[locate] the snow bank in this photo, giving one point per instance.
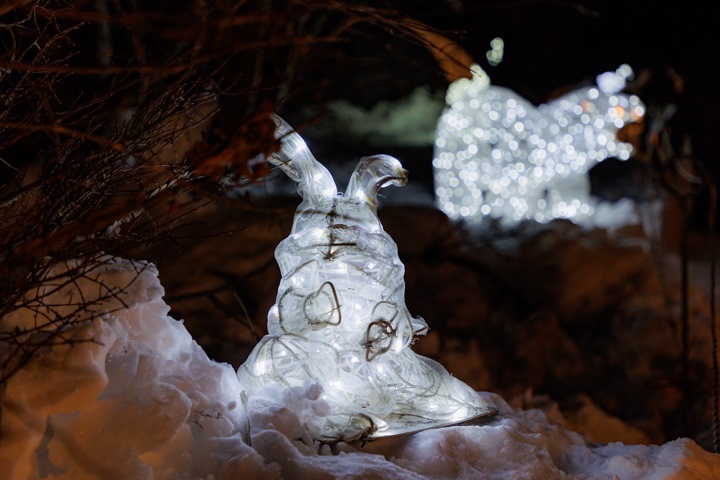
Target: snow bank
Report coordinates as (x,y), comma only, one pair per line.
(129,395)
(132,396)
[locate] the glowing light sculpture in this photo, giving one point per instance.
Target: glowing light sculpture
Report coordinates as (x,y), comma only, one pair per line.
(498,156)
(340,317)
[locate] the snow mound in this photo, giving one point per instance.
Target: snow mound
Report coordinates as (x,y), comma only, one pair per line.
(129,394)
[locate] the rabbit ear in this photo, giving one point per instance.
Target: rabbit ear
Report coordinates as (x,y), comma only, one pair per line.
(373,173)
(294,158)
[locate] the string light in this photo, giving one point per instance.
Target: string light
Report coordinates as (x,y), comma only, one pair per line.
(499,156)
(340,317)
(495,54)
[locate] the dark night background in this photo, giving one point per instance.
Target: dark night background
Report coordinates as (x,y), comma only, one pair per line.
(551,47)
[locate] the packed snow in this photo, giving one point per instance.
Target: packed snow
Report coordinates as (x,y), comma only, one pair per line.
(131,395)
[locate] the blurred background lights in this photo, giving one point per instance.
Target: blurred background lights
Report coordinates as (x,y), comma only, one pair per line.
(533,161)
(497,49)
(614,82)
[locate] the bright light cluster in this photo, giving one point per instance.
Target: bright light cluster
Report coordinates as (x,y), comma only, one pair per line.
(340,317)
(495,54)
(499,156)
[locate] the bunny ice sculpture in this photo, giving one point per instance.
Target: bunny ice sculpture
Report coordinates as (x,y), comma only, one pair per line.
(498,156)
(340,317)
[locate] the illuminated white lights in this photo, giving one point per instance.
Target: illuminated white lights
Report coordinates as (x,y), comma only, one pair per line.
(497,50)
(533,160)
(340,317)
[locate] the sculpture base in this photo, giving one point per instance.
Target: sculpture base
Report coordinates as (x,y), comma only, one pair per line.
(367,428)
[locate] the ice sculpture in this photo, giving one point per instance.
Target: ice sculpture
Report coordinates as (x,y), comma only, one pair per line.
(340,317)
(499,156)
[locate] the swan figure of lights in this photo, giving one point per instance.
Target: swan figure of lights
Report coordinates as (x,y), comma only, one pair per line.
(340,318)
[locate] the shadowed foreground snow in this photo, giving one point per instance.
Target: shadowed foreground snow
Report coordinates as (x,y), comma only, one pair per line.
(135,397)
